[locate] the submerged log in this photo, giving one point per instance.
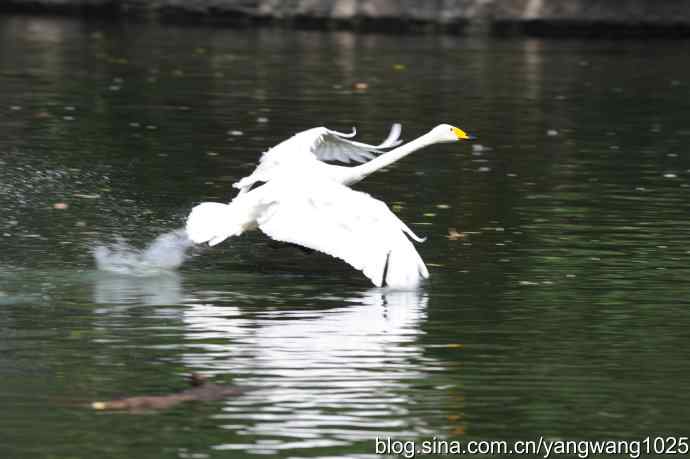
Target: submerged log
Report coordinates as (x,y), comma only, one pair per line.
(201,390)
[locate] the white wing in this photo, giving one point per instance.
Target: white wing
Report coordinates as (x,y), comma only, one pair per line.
(336,146)
(346,224)
(317,143)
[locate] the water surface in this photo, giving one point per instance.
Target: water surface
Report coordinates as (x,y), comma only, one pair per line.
(561,310)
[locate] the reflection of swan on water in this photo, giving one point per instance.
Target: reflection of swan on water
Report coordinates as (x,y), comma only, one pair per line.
(330,374)
(320,376)
(376,320)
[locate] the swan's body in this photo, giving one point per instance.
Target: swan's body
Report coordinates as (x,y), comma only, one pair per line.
(305,201)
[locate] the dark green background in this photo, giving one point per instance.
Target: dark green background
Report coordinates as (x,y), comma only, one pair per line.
(563,312)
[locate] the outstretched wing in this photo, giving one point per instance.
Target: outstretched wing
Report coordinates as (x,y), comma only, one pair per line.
(346,224)
(337,146)
(319,142)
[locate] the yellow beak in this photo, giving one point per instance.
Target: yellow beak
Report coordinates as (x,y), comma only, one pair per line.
(462,135)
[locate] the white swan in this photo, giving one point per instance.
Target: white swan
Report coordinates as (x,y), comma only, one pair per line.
(306,201)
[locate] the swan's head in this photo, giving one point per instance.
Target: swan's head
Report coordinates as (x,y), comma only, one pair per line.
(448,133)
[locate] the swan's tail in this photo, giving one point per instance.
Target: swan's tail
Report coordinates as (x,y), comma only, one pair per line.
(405,268)
(213,222)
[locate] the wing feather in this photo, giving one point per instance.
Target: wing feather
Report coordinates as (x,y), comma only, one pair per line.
(336,146)
(320,143)
(345,224)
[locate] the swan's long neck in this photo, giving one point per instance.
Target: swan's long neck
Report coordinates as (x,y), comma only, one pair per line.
(358,173)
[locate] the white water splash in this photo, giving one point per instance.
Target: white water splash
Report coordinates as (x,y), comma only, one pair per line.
(166,253)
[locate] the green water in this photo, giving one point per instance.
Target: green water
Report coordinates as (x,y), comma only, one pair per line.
(563,311)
